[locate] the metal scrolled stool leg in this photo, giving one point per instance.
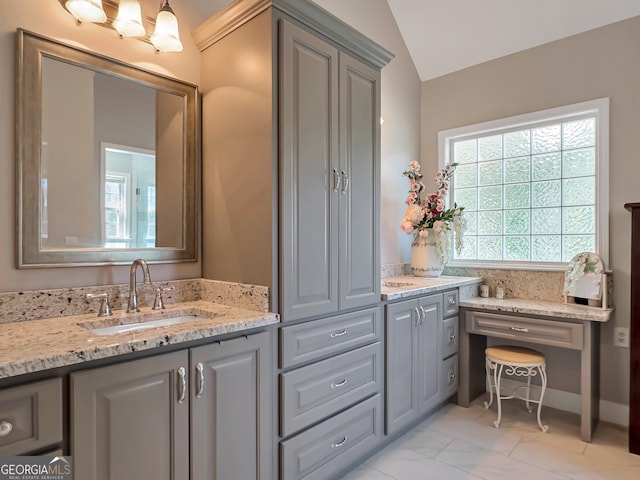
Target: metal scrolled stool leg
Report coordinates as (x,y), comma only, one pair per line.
(518,361)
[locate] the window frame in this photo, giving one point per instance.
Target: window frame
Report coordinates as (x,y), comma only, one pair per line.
(598,108)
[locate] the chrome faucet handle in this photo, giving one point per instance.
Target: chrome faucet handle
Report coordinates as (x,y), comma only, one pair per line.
(158,301)
(104,309)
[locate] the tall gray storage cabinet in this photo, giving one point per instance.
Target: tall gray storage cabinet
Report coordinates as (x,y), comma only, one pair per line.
(202,414)
(291,156)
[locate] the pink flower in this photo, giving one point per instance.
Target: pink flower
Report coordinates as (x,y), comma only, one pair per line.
(411,199)
(415,186)
(423,233)
(406,226)
(415,166)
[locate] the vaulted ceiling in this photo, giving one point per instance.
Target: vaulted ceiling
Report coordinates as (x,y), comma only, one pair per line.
(444,36)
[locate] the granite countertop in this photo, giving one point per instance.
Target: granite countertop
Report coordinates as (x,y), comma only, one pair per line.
(36,345)
(539,307)
(407,286)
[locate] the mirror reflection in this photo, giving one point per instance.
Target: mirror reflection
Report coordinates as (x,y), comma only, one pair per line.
(108,151)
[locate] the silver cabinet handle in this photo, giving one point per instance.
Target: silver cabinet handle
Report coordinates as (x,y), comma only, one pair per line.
(200,370)
(417,316)
(5,428)
(339,384)
(340,443)
(424,315)
(519,329)
(452,301)
(345,182)
(338,334)
(452,338)
(452,376)
(182,374)
(336,180)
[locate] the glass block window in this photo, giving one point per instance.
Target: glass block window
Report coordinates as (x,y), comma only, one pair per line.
(534,187)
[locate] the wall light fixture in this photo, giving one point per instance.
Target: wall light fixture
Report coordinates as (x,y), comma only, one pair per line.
(125,17)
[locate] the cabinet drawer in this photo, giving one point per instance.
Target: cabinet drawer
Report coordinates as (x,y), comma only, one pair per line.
(328,448)
(316,391)
(449,377)
(546,332)
(312,340)
(33,413)
(449,337)
(451,301)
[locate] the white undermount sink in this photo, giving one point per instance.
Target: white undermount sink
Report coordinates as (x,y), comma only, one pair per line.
(136,322)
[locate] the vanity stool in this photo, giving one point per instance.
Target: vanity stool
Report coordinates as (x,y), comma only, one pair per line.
(520,362)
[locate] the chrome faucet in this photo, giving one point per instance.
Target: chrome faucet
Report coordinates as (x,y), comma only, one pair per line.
(132,304)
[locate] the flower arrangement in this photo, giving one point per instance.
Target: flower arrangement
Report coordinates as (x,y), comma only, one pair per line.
(430,212)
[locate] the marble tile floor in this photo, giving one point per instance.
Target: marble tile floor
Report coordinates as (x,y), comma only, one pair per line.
(462,443)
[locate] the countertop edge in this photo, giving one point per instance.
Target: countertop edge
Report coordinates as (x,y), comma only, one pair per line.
(539,307)
(38,345)
(423,286)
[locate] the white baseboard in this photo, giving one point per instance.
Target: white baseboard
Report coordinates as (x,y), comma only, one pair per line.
(570,402)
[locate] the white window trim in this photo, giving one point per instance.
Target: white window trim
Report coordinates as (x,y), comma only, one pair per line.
(600,109)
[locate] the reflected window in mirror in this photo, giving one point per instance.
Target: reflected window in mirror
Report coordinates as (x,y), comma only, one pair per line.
(107,159)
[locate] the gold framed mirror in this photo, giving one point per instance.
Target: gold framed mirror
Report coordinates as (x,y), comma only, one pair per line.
(107,160)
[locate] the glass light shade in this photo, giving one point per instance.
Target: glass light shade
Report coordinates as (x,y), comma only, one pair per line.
(166,37)
(128,23)
(87,10)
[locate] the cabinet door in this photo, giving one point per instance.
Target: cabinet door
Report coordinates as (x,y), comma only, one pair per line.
(360,183)
(231,424)
(309,174)
(401,365)
(128,421)
(430,363)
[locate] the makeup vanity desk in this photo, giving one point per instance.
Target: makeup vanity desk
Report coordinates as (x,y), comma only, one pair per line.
(561,325)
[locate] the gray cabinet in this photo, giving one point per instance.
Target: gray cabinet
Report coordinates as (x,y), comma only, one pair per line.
(330,409)
(231,417)
(330,177)
(30,417)
(413,358)
(421,357)
(138,419)
(303,125)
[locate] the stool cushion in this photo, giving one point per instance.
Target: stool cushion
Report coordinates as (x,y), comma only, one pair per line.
(513,354)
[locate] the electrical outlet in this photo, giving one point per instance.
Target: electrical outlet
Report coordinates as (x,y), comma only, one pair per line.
(621,337)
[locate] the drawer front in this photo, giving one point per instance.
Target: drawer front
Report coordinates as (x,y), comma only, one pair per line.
(451,301)
(332,446)
(449,377)
(30,417)
(546,332)
(312,340)
(311,393)
(449,337)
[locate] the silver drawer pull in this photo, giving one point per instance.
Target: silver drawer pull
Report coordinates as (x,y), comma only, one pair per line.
(338,334)
(336,180)
(417,316)
(182,373)
(340,443)
(200,370)
(452,338)
(452,376)
(5,428)
(519,329)
(452,301)
(339,384)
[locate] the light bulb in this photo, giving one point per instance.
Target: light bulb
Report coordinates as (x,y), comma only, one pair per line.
(87,10)
(166,37)
(128,23)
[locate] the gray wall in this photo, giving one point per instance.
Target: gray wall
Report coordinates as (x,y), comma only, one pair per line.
(600,63)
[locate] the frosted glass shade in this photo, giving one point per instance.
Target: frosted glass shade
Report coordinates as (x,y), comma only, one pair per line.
(87,10)
(128,23)
(166,37)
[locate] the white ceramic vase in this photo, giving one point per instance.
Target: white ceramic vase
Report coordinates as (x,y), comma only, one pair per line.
(426,258)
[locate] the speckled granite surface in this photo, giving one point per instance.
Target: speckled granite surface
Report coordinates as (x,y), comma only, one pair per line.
(39,304)
(55,342)
(395,270)
(407,286)
(539,307)
(523,284)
